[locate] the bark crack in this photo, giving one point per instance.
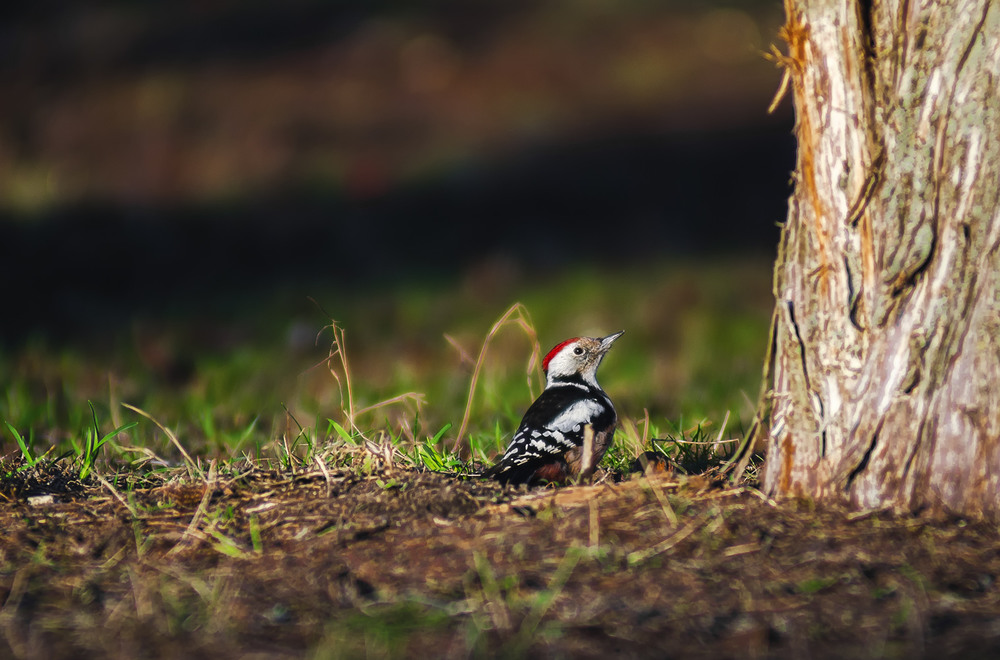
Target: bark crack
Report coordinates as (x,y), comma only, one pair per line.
(860,467)
(853,296)
(802,344)
(972,40)
(901,46)
(913,450)
(866,16)
(805,376)
(867,193)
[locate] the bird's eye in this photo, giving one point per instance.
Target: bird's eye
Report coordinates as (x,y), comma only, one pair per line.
(577,351)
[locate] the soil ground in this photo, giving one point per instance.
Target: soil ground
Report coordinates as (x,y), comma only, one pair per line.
(411,564)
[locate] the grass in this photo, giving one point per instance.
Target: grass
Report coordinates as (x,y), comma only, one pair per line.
(26,454)
(394,378)
(399,386)
(88,451)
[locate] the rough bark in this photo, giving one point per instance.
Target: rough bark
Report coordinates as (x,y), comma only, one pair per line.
(884,371)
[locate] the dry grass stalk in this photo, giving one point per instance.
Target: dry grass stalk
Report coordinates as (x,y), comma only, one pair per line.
(416,398)
(673,539)
(383,451)
(199,513)
(321,464)
(118,496)
(337,351)
(173,438)
(668,510)
(518,315)
(342,376)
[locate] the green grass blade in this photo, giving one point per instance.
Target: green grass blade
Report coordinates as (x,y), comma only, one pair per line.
(25,450)
(90,449)
(120,429)
(437,436)
(342,432)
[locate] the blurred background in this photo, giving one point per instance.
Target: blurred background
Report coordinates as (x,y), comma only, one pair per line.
(178,179)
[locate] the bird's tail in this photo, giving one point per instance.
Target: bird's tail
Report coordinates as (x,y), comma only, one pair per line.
(492,472)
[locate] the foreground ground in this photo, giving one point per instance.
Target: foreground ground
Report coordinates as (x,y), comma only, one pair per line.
(410,564)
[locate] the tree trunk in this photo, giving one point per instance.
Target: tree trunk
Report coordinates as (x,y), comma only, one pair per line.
(884,369)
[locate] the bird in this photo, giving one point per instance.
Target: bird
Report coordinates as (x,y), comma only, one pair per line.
(548,446)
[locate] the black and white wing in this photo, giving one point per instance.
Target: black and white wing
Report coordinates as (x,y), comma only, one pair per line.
(553,425)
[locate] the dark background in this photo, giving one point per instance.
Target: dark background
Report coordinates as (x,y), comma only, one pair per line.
(156,155)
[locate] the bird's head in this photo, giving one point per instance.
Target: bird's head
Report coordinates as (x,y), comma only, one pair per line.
(578,357)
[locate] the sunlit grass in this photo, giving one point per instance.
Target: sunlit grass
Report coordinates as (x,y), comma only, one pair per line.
(432,375)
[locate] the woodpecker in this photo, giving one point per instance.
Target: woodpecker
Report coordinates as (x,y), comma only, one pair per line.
(548,445)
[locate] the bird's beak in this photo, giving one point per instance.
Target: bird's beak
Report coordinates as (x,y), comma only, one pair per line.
(610,339)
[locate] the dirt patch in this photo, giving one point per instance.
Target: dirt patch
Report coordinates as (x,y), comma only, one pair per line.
(264,564)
